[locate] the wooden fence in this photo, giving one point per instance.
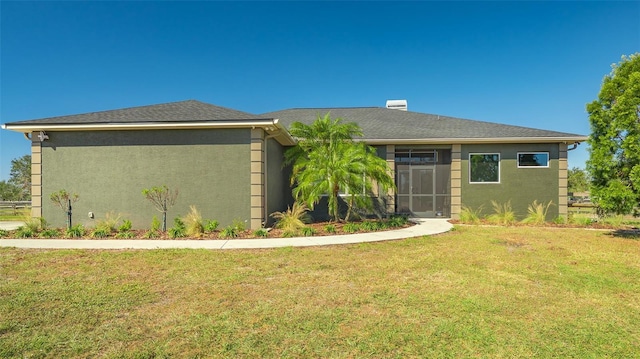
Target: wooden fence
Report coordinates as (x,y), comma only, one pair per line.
(14,206)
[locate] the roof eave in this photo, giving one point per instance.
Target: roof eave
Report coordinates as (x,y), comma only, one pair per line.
(271,126)
(410,141)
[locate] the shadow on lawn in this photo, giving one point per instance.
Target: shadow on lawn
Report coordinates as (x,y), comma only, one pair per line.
(630,233)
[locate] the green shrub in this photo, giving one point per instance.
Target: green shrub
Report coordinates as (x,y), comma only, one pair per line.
(502,214)
(4,233)
(126,226)
(155,224)
(101,232)
(537,213)
(398,221)
(193,222)
(50,233)
(330,228)
(308,231)
(76,231)
(109,223)
(125,235)
(239,225)
(351,227)
(293,219)
(211,226)
(229,232)
(369,225)
(261,233)
(560,220)
(469,215)
(151,234)
(178,230)
(25,232)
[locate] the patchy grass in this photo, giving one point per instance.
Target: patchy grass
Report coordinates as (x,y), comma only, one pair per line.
(473,292)
(9,214)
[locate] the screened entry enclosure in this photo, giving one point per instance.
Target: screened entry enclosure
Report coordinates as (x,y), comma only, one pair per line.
(423,181)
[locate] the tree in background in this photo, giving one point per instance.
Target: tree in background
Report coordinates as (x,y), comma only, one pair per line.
(18,187)
(578,180)
(614,163)
(326,161)
(9,191)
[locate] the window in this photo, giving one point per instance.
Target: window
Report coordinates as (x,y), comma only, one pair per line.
(533,159)
(484,168)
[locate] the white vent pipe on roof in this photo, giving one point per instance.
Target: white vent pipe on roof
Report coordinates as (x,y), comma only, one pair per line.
(397,104)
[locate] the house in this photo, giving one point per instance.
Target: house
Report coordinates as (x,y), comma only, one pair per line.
(229,163)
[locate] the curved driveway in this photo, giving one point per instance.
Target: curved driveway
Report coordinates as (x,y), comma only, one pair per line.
(423,228)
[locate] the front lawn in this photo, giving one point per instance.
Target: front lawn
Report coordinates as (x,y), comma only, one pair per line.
(473,292)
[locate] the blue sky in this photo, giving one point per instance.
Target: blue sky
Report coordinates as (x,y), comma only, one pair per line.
(532,64)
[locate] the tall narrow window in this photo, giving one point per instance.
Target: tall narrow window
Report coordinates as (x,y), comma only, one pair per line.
(484,167)
(533,159)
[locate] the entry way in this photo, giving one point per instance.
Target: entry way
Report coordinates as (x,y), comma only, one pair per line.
(422,179)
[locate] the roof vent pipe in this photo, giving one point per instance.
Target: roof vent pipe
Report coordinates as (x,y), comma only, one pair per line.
(397,104)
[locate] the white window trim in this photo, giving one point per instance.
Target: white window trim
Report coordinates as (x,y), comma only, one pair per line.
(499,166)
(532,153)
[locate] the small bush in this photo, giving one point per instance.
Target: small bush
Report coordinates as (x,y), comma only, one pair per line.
(229,232)
(369,225)
(193,222)
(330,228)
(125,235)
(76,231)
(109,223)
(25,232)
(351,227)
(308,231)
(293,219)
(502,214)
(101,232)
(155,224)
(4,233)
(151,234)
(537,213)
(126,226)
(560,220)
(263,233)
(211,226)
(178,230)
(398,221)
(239,225)
(469,215)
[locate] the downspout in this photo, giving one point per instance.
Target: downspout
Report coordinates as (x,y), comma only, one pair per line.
(575,145)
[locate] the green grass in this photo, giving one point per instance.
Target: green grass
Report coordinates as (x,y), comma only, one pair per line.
(8,214)
(474,292)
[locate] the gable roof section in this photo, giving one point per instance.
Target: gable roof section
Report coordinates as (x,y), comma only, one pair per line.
(174,115)
(183,111)
(389,126)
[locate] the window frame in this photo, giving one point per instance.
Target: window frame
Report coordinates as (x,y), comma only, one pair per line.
(532,153)
(499,167)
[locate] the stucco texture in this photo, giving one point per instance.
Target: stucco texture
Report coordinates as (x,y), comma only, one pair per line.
(109,170)
(520,186)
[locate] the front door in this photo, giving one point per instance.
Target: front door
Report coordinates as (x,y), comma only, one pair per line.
(416,190)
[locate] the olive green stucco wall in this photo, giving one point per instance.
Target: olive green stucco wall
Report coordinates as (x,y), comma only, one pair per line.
(278,190)
(109,169)
(521,186)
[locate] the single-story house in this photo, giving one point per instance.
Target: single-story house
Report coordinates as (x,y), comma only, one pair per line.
(229,163)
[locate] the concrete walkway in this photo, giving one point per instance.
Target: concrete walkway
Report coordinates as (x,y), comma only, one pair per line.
(423,228)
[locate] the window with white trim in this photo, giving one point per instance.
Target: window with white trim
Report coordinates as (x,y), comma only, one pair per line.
(533,159)
(484,168)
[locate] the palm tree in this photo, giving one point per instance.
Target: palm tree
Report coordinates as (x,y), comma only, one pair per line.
(327,161)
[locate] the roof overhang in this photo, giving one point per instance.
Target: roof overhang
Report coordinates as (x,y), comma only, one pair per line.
(271,126)
(440,141)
